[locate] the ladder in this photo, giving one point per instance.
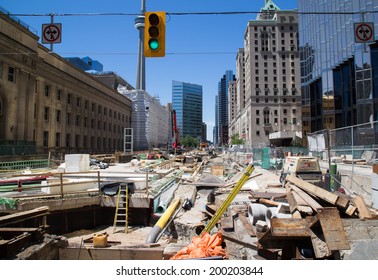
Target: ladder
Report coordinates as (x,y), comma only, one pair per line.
(218,214)
(121,212)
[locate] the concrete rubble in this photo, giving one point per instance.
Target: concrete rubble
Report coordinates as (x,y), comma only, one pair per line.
(264,221)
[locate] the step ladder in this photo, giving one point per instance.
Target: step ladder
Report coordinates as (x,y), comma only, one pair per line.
(121,212)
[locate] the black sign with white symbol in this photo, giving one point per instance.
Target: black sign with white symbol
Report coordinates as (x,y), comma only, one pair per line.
(363,32)
(51,33)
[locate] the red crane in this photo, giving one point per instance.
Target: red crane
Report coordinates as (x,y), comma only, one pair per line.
(175,131)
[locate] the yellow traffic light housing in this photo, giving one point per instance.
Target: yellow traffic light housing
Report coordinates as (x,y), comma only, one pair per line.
(154,34)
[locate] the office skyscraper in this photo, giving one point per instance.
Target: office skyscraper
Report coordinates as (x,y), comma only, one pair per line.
(187,102)
(222,109)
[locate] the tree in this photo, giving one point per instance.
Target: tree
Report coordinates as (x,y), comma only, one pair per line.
(236,140)
(189,141)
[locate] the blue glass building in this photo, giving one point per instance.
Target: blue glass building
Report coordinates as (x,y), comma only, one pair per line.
(339,77)
(187,102)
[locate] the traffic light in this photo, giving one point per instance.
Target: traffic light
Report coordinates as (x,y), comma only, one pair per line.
(154,34)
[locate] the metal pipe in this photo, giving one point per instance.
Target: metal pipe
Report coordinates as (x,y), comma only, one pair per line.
(151,238)
(165,199)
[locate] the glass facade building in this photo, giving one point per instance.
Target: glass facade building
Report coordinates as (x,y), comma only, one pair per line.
(223,106)
(339,77)
(187,102)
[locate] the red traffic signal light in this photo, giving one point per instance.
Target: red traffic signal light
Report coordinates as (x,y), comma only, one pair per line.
(154,34)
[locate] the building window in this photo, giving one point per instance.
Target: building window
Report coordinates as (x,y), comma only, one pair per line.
(78,101)
(57,140)
(257,121)
(47,90)
(45,142)
(257,132)
(266,113)
(59,95)
(68,141)
(69,98)
(1,107)
(11,74)
(68,118)
(77,141)
(78,120)
(58,115)
(257,112)
(46,113)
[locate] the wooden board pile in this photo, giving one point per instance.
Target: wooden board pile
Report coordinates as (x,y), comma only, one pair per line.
(315,230)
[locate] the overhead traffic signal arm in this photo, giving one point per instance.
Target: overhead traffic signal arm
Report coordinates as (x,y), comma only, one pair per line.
(154,34)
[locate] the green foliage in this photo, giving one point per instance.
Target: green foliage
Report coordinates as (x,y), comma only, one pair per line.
(189,141)
(236,140)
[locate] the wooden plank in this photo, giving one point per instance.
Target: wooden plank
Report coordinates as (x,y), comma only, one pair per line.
(333,229)
(24,215)
(309,200)
(363,211)
(293,205)
(268,202)
(302,207)
(112,253)
(312,189)
(351,210)
(342,201)
(16,229)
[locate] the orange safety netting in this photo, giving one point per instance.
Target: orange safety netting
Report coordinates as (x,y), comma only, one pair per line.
(202,246)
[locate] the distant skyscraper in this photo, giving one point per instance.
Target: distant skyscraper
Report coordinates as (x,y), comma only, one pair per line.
(85,63)
(222,109)
(339,78)
(187,102)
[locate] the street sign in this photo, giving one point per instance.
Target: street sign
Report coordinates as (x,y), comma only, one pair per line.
(364,32)
(51,33)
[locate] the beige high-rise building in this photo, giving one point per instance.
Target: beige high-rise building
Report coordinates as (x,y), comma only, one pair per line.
(48,105)
(269,91)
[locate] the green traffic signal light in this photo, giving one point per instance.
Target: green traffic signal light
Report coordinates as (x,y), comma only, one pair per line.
(154,44)
(154,34)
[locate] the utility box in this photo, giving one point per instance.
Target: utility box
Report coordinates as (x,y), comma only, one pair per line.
(76,163)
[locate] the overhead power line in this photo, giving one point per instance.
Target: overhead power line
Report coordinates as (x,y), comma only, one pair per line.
(189,13)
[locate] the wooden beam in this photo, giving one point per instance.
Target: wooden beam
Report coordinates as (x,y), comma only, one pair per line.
(21,216)
(293,205)
(309,200)
(363,211)
(312,189)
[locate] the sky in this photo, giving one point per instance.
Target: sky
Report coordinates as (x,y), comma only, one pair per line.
(199,48)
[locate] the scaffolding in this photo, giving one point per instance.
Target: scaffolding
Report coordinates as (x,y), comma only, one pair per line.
(150,121)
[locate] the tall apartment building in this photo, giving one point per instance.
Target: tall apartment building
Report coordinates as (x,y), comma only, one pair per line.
(187,102)
(339,77)
(48,105)
(222,109)
(268,92)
